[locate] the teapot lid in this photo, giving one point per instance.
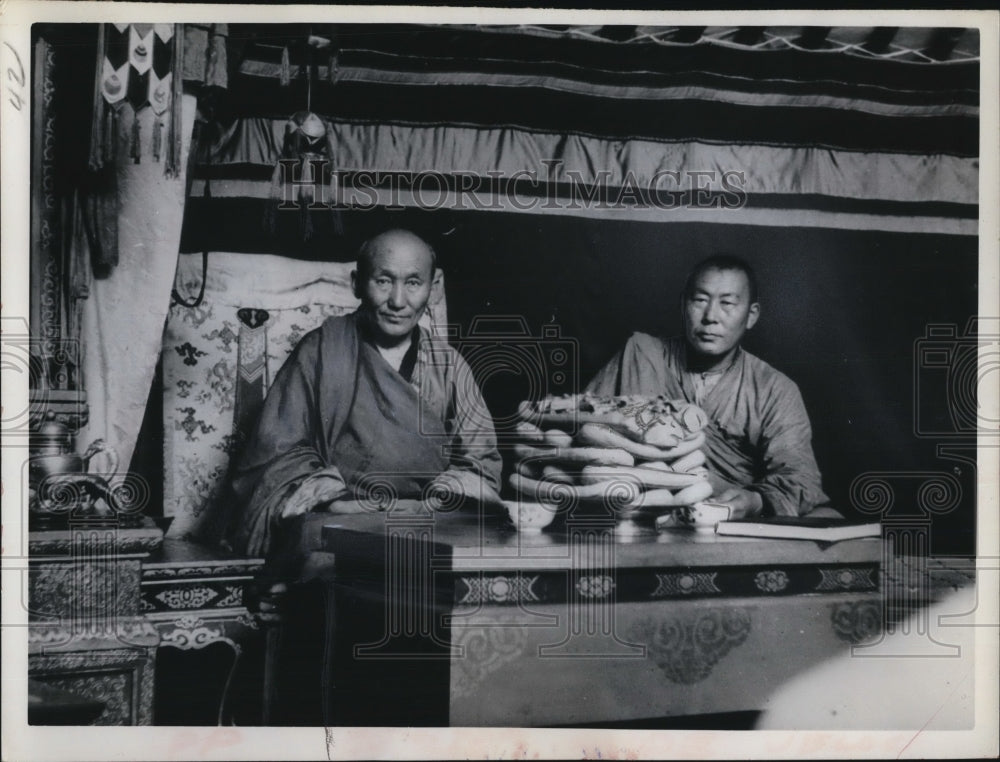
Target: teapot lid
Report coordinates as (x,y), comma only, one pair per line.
(53,430)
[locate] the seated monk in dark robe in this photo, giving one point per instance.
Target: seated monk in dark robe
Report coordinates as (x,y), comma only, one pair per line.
(759,440)
(367,398)
(368,401)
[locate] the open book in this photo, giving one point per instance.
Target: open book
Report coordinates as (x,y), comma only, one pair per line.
(801,528)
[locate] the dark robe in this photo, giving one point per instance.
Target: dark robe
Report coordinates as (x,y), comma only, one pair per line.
(759,436)
(339,411)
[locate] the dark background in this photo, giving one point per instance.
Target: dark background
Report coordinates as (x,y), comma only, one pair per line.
(842,313)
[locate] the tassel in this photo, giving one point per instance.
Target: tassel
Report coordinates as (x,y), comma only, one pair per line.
(97,136)
(338,222)
(157,139)
(171,165)
(135,149)
(307,226)
(96,159)
(308,177)
(306,197)
(331,69)
(286,68)
(271,211)
(110,134)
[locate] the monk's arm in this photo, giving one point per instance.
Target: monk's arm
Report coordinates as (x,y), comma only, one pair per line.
(474,442)
(282,471)
(790,484)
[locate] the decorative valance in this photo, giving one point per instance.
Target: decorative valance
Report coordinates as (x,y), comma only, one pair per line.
(848,128)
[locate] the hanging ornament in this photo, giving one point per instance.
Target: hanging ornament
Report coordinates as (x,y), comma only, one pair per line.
(307,144)
(114,82)
(331,68)
(286,68)
(136,65)
(140,54)
(306,154)
(160,91)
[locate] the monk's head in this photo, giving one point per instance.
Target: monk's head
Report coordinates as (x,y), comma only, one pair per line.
(395,273)
(719,307)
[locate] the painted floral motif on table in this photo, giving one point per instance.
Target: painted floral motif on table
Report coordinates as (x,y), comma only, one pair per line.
(687,647)
(484,649)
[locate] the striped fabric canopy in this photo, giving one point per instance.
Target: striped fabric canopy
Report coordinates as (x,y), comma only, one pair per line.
(867,129)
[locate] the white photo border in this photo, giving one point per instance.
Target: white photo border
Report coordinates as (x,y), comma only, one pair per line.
(21,741)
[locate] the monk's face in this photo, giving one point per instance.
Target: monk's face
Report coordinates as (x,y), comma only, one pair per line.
(717,312)
(397,289)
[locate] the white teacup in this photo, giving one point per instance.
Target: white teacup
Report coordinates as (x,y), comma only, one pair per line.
(530,517)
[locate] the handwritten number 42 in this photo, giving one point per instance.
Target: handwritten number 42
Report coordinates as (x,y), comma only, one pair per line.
(17,77)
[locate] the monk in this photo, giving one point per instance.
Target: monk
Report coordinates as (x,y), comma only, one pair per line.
(759,441)
(367,399)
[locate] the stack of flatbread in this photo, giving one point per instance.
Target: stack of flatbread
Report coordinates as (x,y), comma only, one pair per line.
(637,452)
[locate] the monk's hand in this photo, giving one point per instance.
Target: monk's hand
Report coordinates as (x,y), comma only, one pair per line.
(317,489)
(454,486)
(266,599)
(743,503)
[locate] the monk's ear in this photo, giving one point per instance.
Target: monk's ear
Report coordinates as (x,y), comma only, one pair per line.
(437,286)
(354,284)
(753,315)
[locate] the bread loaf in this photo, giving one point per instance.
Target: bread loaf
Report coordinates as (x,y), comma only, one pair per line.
(648,478)
(601,456)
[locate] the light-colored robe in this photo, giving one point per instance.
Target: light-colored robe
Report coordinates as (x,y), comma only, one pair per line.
(758,436)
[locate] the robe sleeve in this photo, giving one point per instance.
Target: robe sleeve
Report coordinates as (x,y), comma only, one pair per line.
(283,451)
(474,441)
(790,483)
(642,366)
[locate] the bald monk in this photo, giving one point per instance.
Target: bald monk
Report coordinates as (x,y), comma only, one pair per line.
(369,393)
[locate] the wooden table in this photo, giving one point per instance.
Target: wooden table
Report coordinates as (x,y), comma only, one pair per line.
(194,596)
(456,620)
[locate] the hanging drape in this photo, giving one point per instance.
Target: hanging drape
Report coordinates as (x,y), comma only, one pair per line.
(141,130)
(123,318)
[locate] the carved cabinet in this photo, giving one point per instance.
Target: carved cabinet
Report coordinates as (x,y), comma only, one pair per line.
(87,634)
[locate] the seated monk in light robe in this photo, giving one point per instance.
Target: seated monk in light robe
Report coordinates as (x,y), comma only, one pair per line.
(759,440)
(367,398)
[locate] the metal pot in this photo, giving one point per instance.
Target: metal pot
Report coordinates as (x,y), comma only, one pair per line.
(54,452)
